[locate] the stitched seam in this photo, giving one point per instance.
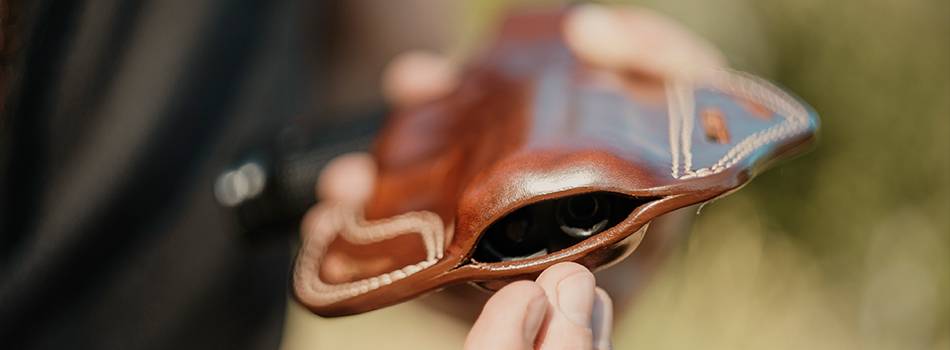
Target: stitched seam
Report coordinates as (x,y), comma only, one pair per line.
(336,220)
(750,87)
(688,103)
(674,119)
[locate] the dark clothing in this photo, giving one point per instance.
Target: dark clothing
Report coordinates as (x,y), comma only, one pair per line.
(121,114)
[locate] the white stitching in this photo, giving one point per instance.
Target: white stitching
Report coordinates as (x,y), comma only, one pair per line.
(688,102)
(335,219)
(674,119)
(756,89)
(681,105)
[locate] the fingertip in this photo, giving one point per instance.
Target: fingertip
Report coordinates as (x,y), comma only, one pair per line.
(536,305)
(604,299)
(575,298)
(638,39)
(570,290)
(415,77)
(515,294)
(518,292)
(554,274)
(348,178)
(602,319)
(591,31)
(510,319)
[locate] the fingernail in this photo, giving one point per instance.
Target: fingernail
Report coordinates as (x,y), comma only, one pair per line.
(533,318)
(575,298)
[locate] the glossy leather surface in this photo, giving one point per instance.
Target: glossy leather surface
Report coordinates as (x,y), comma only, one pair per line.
(530,123)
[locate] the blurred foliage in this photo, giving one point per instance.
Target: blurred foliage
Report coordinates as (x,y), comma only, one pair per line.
(848,246)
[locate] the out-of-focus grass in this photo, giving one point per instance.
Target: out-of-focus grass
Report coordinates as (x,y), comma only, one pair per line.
(741,282)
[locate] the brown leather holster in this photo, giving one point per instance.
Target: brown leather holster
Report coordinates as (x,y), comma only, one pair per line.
(537,158)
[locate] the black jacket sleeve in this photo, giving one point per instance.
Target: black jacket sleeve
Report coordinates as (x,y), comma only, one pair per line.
(119,115)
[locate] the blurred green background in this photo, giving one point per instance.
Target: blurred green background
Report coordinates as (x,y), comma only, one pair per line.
(849,245)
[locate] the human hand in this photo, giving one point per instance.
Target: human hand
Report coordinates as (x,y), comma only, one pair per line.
(623,39)
(562,309)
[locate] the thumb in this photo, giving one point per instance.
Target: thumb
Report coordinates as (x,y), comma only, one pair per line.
(638,40)
(511,318)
